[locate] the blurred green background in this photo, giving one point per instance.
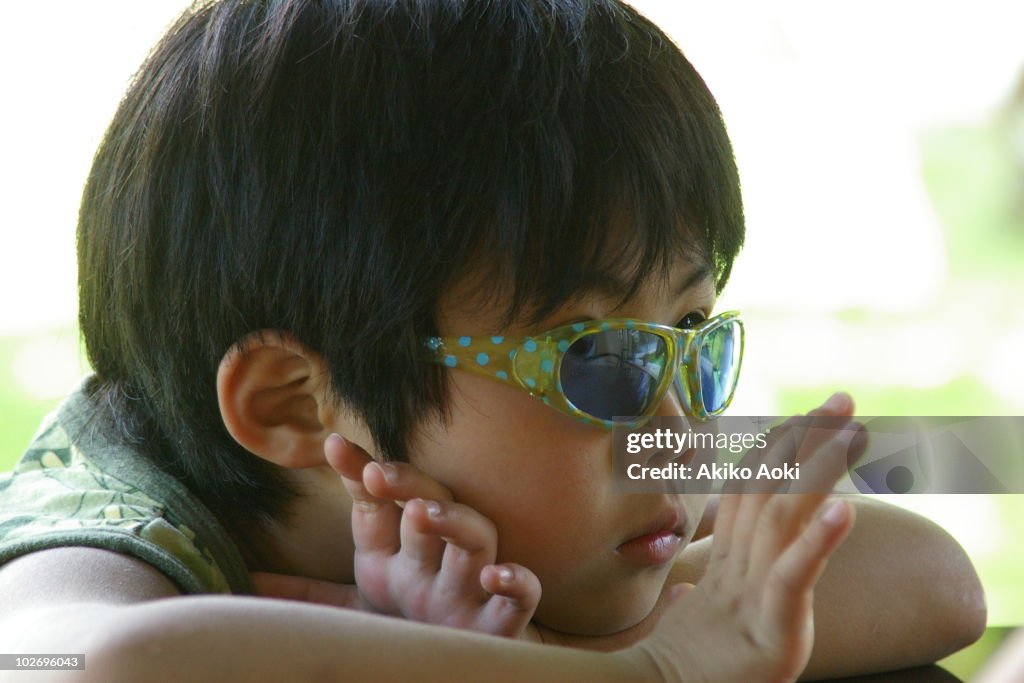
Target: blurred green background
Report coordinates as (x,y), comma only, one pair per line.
(884,185)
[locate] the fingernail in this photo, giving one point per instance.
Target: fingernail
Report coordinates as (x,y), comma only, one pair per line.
(433,508)
(389,470)
(835,514)
(837,402)
(677,591)
(505,574)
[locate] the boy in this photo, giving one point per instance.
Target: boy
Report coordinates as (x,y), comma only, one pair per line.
(292,201)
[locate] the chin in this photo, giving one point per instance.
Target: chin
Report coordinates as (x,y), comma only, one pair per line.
(612,612)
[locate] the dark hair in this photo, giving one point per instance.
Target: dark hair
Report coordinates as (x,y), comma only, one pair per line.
(331,168)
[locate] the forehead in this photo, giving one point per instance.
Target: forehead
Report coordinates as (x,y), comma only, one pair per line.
(477,304)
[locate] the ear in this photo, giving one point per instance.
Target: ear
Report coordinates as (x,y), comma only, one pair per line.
(271,392)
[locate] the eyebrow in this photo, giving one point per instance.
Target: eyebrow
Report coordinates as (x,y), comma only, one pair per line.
(610,285)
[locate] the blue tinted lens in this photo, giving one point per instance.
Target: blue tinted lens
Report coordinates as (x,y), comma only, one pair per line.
(719,358)
(614,373)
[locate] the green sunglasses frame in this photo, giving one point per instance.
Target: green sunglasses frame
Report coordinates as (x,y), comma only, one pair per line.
(532,364)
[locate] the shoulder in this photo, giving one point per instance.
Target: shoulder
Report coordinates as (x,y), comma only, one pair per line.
(79,574)
(66,492)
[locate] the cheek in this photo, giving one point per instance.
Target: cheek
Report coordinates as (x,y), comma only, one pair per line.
(540,476)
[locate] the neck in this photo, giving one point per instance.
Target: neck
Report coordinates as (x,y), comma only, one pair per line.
(314,539)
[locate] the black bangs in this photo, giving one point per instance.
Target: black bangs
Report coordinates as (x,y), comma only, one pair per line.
(332,168)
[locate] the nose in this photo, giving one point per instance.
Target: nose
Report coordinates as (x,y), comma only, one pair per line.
(671,403)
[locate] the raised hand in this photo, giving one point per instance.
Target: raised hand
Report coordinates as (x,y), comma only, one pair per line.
(750,616)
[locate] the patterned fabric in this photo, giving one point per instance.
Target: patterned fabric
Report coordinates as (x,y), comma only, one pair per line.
(74,486)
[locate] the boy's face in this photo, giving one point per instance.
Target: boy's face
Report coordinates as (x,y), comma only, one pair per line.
(545,480)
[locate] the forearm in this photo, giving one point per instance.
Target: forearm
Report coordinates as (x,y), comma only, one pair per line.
(56,630)
(899,592)
(251,639)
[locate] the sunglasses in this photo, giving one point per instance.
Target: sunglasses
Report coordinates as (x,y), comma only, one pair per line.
(612,372)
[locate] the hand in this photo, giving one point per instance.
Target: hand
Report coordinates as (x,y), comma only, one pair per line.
(426,558)
(750,616)
(434,560)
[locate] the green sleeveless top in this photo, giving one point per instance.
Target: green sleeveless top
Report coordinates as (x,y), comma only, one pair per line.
(76,486)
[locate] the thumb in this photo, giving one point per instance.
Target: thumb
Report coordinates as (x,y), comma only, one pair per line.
(304,589)
(677,591)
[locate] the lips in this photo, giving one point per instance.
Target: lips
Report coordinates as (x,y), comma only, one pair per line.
(671,520)
(658,542)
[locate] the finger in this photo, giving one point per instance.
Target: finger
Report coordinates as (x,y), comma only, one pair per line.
(346,458)
(809,432)
(792,434)
(516,594)
(450,539)
(748,510)
(795,444)
(785,517)
(375,521)
(472,544)
(783,446)
(512,581)
(301,588)
(732,496)
(739,509)
(832,460)
(707,519)
(790,584)
(721,537)
(422,545)
(779,442)
(403,481)
(803,434)
(677,592)
(834,414)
